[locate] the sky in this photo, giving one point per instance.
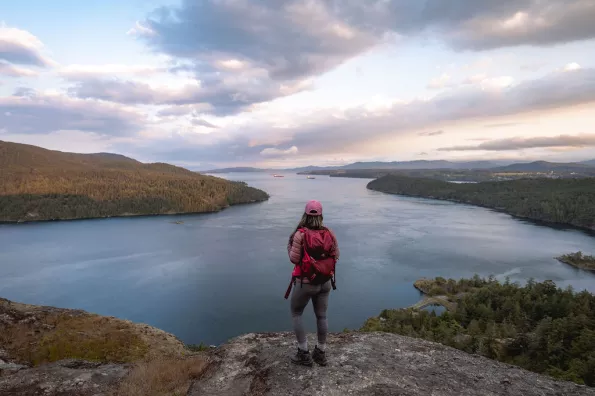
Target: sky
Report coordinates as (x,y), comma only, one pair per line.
(284,83)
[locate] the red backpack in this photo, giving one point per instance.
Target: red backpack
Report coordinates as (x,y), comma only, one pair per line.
(318,258)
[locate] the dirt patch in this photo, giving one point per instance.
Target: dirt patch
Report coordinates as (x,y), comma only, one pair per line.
(162,376)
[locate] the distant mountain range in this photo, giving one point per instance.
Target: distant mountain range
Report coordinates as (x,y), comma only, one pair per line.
(544,166)
(504,166)
(440,164)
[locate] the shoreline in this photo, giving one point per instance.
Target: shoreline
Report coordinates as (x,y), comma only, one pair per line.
(572,264)
(128,215)
(551,224)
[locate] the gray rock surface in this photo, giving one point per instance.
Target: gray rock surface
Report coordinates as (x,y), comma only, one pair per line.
(63,378)
(367,364)
(10,367)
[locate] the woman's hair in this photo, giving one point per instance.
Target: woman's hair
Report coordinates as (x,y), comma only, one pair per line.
(310,222)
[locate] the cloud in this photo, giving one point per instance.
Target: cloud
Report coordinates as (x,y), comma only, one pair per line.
(475,79)
(336,134)
(223,97)
(503,125)
(140,30)
(24,92)
(487,24)
(230,64)
(14,71)
(432,133)
(32,113)
(444,81)
(524,22)
(121,91)
(79,72)
(289,39)
(246,51)
(496,83)
(275,152)
(518,143)
(21,47)
(292,38)
(351,130)
(201,122)
(532,67)
(183,110)
(221,147)
(572,67)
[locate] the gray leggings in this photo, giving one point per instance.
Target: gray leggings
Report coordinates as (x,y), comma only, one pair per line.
(299,300)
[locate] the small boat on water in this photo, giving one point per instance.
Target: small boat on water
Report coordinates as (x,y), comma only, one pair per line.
(276,175)
(310,177)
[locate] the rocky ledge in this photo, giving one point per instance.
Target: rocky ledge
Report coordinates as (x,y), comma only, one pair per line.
(367,364)
(52,351)
(67,377)
(58,352)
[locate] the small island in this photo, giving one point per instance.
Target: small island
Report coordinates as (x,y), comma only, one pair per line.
(578,260)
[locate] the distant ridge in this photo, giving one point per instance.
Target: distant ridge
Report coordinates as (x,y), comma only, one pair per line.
(544,166)
(423,164)
(17,156)
(495,165)
(420,164)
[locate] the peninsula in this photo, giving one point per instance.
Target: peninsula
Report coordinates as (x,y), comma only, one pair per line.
(561,201)
(512,323)
(39,184)
(578,260)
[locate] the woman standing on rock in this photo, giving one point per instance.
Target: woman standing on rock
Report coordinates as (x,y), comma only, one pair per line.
(314,251)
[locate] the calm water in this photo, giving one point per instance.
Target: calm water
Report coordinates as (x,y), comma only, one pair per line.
(219,275)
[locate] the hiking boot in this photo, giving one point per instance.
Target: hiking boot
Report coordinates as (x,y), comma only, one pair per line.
(302,358)
(319,356)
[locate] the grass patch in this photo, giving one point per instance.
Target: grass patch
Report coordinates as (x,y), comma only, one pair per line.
(90,338)
(162,376)
(198,347)
(64,336)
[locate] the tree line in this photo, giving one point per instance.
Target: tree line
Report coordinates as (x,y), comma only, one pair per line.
(537,326)
(564,201)
(579,260)
(38,184)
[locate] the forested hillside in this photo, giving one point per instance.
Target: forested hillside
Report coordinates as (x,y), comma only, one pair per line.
(39,184)
(565,201)
(537,326)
